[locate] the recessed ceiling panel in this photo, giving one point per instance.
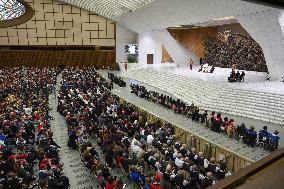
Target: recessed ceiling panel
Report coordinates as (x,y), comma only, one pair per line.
(112,9)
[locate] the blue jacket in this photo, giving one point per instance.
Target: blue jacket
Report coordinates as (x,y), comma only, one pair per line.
(137,177)
(3,137)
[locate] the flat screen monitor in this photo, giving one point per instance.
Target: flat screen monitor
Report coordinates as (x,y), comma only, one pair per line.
(131,49)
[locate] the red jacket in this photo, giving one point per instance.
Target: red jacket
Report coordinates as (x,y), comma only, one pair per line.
(110,185)
(155,186)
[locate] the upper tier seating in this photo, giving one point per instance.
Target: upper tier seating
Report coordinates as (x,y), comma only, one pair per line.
(267,107)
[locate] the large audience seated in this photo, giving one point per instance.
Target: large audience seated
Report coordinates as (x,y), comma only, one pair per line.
(243,51)
(213,120)
(28,154)
(147,153)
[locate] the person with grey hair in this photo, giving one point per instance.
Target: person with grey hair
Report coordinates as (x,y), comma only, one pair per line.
(212,166)
(179,178)
(179,160)
(168,176)
(192,155)
(153,160)
(150,138)
(202,161)
(208,180)
(141,153)
(135,148)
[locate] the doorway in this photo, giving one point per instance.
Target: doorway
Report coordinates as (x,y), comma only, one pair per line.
(150,58)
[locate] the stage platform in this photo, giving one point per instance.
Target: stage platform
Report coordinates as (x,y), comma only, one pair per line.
(251,107)
(254,81)
(195,128)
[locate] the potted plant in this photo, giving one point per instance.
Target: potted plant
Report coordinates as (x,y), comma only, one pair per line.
(131,59)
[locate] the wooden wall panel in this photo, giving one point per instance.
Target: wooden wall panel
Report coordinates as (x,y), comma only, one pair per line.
(56,58)
(57,23)
(192,38)
(166,58)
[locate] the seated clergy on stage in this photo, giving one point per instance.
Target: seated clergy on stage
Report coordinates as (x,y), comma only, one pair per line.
(232,77)
(238,76)
(212,69)
(243,76)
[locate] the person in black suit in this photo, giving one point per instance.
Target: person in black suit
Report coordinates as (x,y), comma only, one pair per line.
(208,180)
(243,76)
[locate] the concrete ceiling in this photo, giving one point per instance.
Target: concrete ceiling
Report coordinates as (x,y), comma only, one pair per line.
(162,14)
(112,9)
(274,3)
(148,15)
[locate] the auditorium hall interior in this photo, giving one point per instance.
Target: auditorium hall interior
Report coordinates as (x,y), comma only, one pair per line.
(141,94)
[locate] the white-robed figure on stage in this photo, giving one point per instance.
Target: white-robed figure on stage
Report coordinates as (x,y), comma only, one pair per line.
(205,67)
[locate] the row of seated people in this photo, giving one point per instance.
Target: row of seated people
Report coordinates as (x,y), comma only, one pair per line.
(116,67)
(117,80)
(215,122)
(240,132)
(176,105)
(149,154)
(26,143)
(236,77)
(268,140)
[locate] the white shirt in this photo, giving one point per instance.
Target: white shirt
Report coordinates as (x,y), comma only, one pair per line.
(206,162)
(179,162)
(133,143)
(27,111)
(135,149)
(150,139)
(228,174)
(80,96)
(175,153)
(142,132)
(108,110)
